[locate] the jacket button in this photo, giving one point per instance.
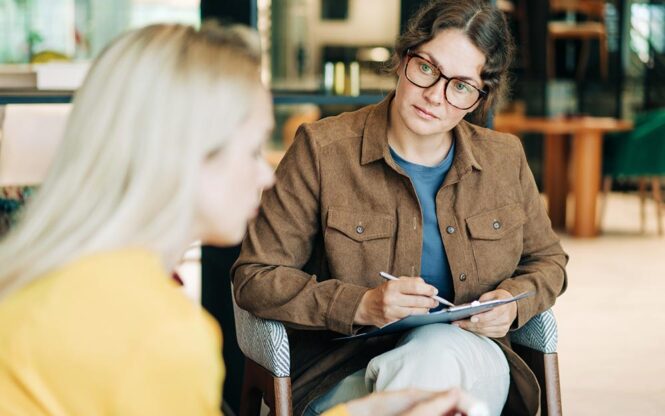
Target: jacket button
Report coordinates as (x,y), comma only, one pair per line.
(360,229)
(496,225)
(450,229)
(462,277)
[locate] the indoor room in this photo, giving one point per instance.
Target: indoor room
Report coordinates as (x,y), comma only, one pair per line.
(544,121)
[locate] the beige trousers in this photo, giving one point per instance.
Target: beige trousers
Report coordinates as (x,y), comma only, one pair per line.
(431,357)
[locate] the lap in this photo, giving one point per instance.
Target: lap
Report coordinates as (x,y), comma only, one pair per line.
(430,357)
(437,356)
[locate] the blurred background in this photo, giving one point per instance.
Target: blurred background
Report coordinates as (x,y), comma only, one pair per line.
(587,99)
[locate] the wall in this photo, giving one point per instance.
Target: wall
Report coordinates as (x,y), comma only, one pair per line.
(298,22)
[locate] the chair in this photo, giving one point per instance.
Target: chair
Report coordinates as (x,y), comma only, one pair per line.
(536,344)
(638,155)
(267,364)
(585,31)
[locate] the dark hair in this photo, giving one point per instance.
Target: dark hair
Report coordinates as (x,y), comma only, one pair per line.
(486,27)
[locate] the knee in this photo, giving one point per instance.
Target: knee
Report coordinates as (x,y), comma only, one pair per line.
(414,373)
(433,334)
(429,366)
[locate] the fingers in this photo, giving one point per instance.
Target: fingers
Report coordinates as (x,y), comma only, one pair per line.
(386,303)
(474,323)
(415,286)
(497,316)
(417,403)
(471,406)
(418,311)
(398,312)
(486,317)
(441,403)
(488,296)
(391,403)
(494,323)
(412,301)
(410,292)
(492,331)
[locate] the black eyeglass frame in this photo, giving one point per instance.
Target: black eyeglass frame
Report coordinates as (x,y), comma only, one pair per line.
(410,54)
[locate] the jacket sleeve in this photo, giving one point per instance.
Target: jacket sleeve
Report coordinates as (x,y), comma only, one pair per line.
(268,277)
(542,266)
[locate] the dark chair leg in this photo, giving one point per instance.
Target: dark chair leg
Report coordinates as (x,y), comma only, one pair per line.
(642,187)
(546,369)
(552,385)
(279,398)
(655,188)
(260,384)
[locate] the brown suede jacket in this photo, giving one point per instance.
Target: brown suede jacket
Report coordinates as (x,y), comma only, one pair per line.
(342,210)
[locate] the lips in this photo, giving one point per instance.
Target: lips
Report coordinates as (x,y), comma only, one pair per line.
(424,113)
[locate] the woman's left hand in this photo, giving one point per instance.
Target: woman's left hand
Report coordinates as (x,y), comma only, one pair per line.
(494,323)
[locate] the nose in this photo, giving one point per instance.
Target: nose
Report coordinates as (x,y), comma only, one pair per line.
(436,93)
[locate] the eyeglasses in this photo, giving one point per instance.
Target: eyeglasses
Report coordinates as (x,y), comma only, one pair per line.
(424,74)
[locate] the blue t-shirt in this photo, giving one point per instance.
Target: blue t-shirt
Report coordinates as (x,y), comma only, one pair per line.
(427,180)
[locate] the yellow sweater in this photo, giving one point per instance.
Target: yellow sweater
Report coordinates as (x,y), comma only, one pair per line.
(109,334)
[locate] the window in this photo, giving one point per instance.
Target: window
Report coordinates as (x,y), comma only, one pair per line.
(83,28)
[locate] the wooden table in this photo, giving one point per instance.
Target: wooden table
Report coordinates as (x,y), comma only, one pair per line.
(585,162)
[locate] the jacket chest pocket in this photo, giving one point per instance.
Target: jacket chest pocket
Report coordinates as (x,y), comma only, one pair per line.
(358,244)
(497,241)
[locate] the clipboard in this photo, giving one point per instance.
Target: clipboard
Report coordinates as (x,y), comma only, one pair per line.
(454,313)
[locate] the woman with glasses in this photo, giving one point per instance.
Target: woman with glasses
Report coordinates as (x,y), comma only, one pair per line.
(408,187)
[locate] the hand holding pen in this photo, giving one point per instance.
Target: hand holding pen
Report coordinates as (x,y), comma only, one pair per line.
(395,299)
(437,298)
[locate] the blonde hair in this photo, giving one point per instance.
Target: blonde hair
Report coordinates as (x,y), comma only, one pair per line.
(155,104)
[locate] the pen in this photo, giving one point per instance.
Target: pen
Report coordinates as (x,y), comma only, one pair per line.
(438,298)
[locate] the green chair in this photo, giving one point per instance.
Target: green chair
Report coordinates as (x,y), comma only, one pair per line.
(639,156)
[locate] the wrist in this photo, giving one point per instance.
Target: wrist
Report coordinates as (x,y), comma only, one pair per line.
(361,317)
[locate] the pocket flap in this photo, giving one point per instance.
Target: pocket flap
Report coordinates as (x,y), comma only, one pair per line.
(494,224)
(360,226)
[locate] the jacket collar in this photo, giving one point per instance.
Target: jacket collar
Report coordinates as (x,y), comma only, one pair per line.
(375,134)
(464,134)
(375,140)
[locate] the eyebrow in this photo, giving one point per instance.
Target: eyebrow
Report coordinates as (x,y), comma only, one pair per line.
(438,66)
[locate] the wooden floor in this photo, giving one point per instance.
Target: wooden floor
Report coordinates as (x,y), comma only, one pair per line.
(612,318)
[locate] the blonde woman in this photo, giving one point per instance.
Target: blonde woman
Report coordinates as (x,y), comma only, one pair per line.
(163,147)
